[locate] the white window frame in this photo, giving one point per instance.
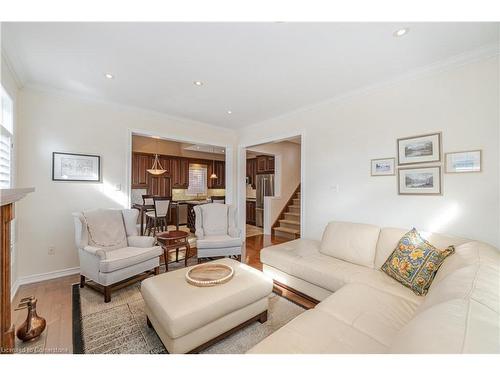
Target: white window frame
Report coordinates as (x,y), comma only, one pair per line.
(6,135)
(199,173)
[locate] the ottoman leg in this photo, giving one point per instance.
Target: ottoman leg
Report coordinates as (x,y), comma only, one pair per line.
(263,317)
(148,322)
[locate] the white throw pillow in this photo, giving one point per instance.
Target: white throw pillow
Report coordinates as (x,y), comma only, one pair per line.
(355,243)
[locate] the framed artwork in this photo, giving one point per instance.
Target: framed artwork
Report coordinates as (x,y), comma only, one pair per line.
(419,181)
(419,149)
(75,167)
(463,161)
(383,167)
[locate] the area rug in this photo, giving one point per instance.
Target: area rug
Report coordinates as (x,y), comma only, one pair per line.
(119,327)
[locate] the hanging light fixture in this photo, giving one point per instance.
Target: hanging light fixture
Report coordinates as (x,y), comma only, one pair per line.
(213,176)
(157,168)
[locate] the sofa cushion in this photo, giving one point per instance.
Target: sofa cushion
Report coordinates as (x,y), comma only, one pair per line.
(461,312)
(355,243)
(454,326)
(317,332)
(389,238)
(126,257)
(327,272)
(285,255)
(214,219)
(414,262)
(472,272)
(376,313)
(218,242)
(301,258)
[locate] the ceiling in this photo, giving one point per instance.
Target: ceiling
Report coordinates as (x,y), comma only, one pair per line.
(254,70)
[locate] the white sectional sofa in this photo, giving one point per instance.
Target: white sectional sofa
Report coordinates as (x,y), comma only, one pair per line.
(362,310)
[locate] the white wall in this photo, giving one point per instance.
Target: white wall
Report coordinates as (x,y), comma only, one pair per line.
(10,85)
(340,138)
(286,180)
(50,121)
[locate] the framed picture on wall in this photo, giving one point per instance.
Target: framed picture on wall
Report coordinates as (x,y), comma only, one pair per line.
(463,161)
(419,149)
(383,167)
(419,181)
(76,167)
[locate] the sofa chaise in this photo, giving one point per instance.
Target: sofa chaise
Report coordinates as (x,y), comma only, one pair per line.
(363,310)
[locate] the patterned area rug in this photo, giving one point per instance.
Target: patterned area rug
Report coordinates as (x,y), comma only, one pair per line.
(119,327)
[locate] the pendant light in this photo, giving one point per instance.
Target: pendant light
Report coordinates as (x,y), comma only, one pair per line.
(213,176)
(157,168)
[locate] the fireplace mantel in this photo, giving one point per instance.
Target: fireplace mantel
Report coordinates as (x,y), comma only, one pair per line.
(7,199)
(8,196)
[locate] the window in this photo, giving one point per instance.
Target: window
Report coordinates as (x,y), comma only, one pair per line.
(6,132)
(197,179)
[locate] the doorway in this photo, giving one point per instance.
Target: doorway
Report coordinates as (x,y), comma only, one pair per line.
(272,191)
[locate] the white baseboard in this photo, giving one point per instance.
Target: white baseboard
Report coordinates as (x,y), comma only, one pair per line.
(42,277)
(13,289)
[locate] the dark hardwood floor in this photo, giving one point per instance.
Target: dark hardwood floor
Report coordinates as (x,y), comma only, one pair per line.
(253,246)
(54,299)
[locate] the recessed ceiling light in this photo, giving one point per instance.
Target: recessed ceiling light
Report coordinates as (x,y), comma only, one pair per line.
(229,112)
(109,76)
(198,83)
(401,32)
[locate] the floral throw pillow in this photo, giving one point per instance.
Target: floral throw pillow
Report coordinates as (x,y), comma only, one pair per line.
(414,262)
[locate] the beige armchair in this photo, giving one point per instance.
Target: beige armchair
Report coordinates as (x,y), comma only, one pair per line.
(111,250)
(216,231)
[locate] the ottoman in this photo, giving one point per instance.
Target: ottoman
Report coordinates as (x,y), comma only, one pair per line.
(188,319)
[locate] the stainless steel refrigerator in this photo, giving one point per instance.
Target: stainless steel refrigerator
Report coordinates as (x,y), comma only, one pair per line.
(265,188)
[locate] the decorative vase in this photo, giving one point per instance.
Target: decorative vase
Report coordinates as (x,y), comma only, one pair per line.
(34,325)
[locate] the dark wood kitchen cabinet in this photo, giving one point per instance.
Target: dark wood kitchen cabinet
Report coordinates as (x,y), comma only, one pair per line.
(252,171)
(219,168)
(179,173)
(140,164)
(250,212)
(159,185)
(265,164)
(176,175)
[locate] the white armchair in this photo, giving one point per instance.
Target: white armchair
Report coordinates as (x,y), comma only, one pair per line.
(216,231)
(110,248)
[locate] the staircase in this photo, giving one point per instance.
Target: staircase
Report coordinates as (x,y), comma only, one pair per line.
(288,223)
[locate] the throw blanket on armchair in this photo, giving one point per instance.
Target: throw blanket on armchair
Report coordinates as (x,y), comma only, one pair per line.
(106,229)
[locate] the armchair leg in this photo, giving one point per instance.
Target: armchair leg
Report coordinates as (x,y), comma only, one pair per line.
(107,294)
(157,270)
(82,281)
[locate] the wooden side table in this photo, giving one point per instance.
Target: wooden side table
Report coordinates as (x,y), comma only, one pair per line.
(174,240)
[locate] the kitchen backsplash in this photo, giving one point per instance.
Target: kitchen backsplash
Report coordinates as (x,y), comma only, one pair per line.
(251,193)
(181,194)
(177,194)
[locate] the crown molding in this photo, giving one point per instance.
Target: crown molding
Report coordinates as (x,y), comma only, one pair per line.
(15,74)
(485,52)
(37,87)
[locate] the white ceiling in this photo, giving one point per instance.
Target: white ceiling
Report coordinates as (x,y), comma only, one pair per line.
(256,70)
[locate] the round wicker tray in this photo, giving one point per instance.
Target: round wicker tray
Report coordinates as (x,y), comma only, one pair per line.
(210,274)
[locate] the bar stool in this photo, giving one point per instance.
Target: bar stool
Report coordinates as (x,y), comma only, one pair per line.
(158,218)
